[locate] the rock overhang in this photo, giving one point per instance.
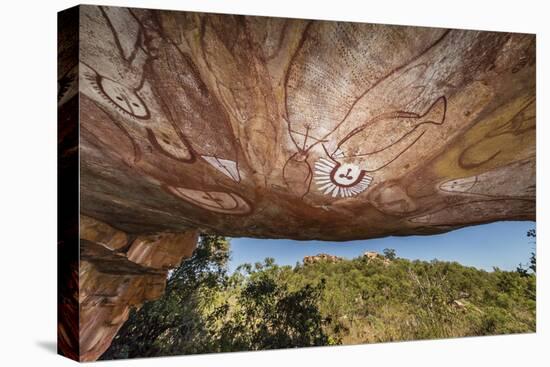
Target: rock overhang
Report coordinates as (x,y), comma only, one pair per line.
(268,127)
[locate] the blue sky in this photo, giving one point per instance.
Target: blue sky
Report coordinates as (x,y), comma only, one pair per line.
(501,244)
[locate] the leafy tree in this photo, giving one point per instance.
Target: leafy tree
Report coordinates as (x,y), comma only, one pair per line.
(533,258)
(204,310)
(532,265)
(268,314)
(175,323)
(389,253)
(266,306)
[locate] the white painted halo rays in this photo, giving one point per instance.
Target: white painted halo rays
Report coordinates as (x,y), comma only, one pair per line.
(344,180)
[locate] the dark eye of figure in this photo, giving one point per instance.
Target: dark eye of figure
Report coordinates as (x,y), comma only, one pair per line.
(119,98)
(135,104)
(346,175)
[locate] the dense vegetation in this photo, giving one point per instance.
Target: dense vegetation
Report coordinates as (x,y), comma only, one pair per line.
(266,306)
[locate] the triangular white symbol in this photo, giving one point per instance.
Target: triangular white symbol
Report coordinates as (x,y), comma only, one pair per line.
(225,166)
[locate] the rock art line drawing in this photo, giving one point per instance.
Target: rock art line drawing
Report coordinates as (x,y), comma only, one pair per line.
(124,99)
(373,148)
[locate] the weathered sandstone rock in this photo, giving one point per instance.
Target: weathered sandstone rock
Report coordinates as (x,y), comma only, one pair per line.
(321,257)
(375,256)
(118,272)
(265,127)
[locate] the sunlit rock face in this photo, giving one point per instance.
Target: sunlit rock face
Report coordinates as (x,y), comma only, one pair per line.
(119,272)
(267,127)
(308,260)
(282,128)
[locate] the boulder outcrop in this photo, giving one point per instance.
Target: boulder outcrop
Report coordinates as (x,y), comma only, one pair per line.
(308,260)
(375,256)
(118,272)
(371,255)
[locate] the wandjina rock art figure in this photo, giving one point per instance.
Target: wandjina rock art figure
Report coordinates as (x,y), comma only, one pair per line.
(204,102)
(191,106)
(343,180)
(371,147)
(493,183)
(124,99)
(215,201)
(131,104)
(157,86)
(114,78)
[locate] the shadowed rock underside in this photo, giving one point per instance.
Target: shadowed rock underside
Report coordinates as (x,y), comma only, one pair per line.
(268,127)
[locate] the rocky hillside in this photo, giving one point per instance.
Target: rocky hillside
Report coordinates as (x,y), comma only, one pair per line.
(363,300)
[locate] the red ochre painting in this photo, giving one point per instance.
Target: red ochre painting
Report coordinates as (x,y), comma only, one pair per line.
(180,130)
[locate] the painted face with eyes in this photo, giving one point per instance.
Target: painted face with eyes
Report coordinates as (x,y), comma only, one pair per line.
(346,175)
(343,180)
(124,98)
(215,201)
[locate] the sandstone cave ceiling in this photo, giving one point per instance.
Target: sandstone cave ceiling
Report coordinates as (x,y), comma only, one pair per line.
(271,127)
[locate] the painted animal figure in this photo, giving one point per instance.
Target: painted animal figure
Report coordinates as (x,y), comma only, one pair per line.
(371,147)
